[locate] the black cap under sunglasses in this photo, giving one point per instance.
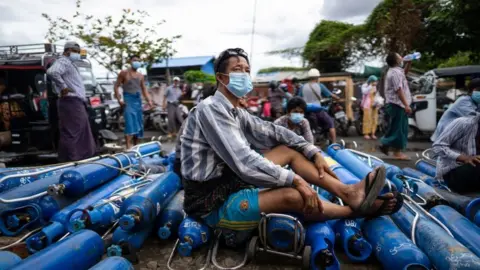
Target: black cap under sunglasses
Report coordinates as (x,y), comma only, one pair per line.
(229,53)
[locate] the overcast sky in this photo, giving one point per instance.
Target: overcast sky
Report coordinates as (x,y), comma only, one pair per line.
(207,26)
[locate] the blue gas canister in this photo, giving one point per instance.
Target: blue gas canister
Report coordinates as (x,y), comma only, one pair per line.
(113,263)
(426,167)
(192,235)
(171,217)
(8,260)
(321,238)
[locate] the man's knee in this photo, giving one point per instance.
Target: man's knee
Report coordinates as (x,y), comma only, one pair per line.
(292,198)
(287,151)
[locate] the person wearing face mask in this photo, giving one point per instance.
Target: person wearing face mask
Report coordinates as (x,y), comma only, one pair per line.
(133,86)
(370,111)
(76,138)
(171,104)
(398,99)
(295,119)
(222,174)
(463,106)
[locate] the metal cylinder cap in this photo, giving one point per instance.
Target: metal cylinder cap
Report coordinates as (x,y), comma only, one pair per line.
(164,232)
(127,222)
(185,249)
(78,224)
(114,250)
(13,221)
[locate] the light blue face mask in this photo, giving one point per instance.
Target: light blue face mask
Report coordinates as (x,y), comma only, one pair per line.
(476,96)
(74,56)
(296,118)
(136,64)
(240,84)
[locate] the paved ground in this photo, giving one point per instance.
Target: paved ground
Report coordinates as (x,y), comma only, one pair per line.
(155,253)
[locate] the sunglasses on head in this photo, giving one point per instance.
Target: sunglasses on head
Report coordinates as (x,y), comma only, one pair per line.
(229,53)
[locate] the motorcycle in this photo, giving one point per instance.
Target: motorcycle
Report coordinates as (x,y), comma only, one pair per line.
(155,118)
(259,107)
(320,135)
(337,112)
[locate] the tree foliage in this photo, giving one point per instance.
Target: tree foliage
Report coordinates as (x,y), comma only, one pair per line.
(197,76)
(111,40)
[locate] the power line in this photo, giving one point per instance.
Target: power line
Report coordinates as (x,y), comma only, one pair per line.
(253,29)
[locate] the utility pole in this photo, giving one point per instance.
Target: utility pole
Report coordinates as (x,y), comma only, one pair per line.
(253,30)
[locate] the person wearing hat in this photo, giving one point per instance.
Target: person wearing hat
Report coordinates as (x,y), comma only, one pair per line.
(170,104)
(463,106)
(76,138)
(133,85)
(370,109)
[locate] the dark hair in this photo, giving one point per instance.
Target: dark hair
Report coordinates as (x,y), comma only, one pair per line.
(474,84)
(208,90)
(296,102)
(2,81)
(221,63)
(134,56)
(391,59)
(294,80)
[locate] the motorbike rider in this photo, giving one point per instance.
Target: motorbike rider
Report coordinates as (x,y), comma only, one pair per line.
(297,87)
(312,93)
(464,106)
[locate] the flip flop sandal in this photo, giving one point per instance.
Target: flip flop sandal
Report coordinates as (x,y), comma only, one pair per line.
(372,190)
(396,208)
(404,158)
(384,149)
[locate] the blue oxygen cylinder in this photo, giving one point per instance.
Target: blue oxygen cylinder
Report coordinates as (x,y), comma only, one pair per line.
(17,216)
(314,107)
(462,229)
(61,220)
(79,251)
(416,174)
(443,250)
(142,208)
(321,238)
(345,175)
(281,233)
(392,170)
(192,235)
(8,260)
(113,263)
(127,243)
(426,167)
(469,207)
(349,161)
(392,248)
(350,237)
(425,191)
(13,177)
(105,212)
(171,217)
(83,178)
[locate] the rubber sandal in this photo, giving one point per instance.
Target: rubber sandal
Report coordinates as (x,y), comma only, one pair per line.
(403,157)
(373,189)
(384,149)
(396,208)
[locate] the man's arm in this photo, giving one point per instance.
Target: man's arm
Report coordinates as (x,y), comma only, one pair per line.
(307,131)
(56,72)
(327,93)
(266,134)
(442,146)
(464,107)
(165,97)
(118,83)
(145,92)
(224,136)
(407,67)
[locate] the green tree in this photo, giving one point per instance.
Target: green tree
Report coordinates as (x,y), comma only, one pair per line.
(110,40)
(198,76)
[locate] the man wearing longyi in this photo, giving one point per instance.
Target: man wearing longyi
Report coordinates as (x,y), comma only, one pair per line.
(222,173)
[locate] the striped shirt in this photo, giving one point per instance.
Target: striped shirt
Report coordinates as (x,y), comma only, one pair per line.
(458,138)
(396,80)
(301,129)
(217,135)
(66,75)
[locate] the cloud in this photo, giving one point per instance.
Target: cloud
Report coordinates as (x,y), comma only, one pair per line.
(348,10)
(207,27)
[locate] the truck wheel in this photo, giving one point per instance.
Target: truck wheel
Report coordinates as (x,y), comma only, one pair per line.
(412,133)
(306,257)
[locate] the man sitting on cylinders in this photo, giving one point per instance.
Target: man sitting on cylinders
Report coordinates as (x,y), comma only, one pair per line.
(457,150)
(223,175)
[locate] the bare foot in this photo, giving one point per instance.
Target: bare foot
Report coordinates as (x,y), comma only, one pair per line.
(366,137)
(387,208)
(356,193)
(400,156)
(374,137)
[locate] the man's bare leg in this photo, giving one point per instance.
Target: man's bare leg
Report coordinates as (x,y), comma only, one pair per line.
(135,140)
(353,195)
(333,135)
(289,200)
(128,141)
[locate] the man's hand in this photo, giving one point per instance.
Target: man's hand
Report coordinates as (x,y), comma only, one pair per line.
(408,110)
(323,167)
(150,103)
(310,197)
(472,160)
(122,104)
(64,92)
